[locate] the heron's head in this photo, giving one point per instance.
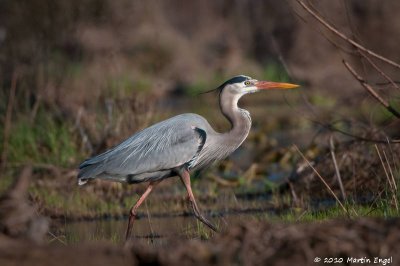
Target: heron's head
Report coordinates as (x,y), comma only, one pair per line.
(241,85)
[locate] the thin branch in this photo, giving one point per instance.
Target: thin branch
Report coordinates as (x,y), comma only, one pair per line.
(344,37)
(54,237)
(331,127)
(338,176)
(390,170)
(391,185)
(386,83)
(383,165)
(335,44)
(353,30)
(371,91)
(380,71)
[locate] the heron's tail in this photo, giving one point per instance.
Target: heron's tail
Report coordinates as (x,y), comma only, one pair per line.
(83,177)
(87,172)
(82,181)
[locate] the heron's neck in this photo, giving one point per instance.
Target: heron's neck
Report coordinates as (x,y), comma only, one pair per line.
(239,119)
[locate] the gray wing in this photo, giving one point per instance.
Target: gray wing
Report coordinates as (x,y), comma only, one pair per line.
(165,145)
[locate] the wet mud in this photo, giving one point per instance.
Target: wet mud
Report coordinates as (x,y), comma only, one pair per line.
(251,243)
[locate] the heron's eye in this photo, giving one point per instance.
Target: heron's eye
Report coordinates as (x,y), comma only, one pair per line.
(247,83)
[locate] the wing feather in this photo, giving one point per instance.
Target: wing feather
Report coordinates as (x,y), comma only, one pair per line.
(165,145)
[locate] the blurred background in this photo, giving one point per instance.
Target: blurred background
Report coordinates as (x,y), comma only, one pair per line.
(77,77)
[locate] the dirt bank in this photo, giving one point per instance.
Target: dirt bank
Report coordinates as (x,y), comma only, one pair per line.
(244,244)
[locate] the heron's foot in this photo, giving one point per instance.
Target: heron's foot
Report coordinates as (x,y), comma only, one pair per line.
(185,177)
(201,218)
(206,222)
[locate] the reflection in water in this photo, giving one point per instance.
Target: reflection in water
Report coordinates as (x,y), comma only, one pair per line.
(159,227)
(149,230)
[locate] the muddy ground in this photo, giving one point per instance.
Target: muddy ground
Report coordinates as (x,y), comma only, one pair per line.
(370,241)
(243,244)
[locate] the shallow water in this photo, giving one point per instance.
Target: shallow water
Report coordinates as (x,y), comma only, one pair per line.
(153,230)
(161,228)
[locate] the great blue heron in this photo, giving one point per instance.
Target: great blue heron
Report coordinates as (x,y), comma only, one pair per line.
(177,146)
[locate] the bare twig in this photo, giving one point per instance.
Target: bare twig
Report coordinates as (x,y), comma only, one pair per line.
(301,215)
(344,37)
(387,83)
(8,117)
(340,47)
(339,178)
(353,29)
(390,170)
(383,74)
(293,192)
(375,200)
(329,39)
(371,91)
(383,165)
(391,184)
(54,237)
(322,180)
(331,127)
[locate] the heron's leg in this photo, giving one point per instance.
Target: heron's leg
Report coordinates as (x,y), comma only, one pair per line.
(185,177)
(132,213)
